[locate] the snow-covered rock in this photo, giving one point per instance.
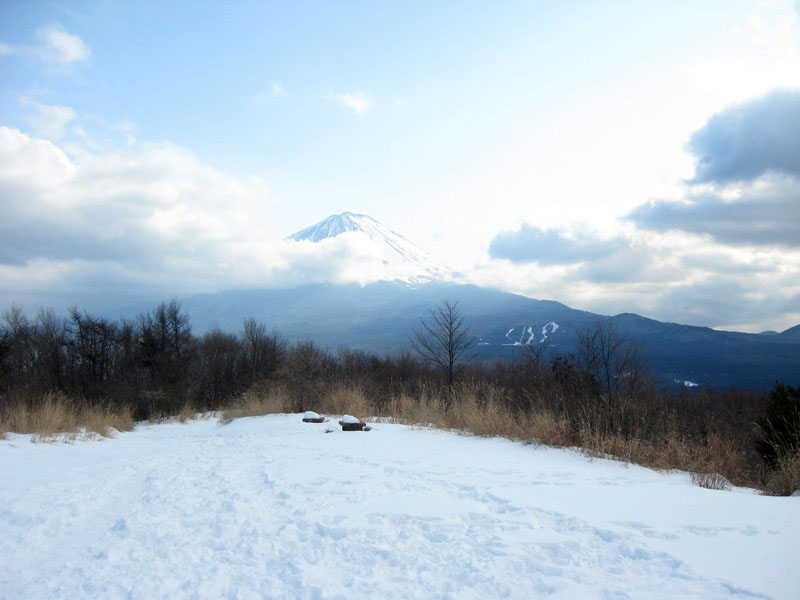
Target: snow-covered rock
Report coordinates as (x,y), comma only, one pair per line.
(350,419)
(310,414)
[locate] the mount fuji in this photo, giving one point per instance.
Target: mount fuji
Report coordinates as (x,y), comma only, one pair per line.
(395,282)
(394,258)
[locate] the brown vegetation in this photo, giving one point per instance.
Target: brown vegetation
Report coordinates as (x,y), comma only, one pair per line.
(785,480)
(55,416)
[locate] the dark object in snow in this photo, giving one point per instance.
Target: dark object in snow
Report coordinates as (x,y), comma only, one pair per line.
(350,423)
(311,417)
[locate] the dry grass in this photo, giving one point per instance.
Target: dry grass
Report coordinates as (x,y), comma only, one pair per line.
(479,410)
(259,401)
(715,461)
(186,413)
(711,481)
(785,480)
(346,400)
(55,416)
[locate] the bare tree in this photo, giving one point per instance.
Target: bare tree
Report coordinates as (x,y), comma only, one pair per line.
(93,351)
(17,344)
(617,364)
(443,339)
(217,377)
(262,354)
(52,348)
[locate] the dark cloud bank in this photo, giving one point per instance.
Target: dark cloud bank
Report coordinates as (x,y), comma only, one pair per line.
(760,217)
(548,247)
(749,140)
(755,147)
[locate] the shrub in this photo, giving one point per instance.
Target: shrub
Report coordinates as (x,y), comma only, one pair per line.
(261,399)
(785,480)
(711,481)
(780,426)
(54,414)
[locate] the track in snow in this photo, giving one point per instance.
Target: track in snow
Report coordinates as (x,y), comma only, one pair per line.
(272,507)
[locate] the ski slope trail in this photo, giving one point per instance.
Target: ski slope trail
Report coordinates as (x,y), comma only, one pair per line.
(271,507)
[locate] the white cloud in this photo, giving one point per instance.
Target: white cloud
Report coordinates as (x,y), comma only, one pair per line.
(29,167)
(50,120)
(276,90)
(56,47)
(359,102)
(151,215)
(61,47)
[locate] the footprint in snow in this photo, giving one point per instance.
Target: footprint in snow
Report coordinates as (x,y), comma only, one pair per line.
(120,526)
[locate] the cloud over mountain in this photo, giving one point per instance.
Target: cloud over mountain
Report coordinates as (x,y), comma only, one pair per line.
(750,139)
(746,189)
(551,247)
(764,213)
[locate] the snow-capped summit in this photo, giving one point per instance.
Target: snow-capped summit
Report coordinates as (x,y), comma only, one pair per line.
(338,224)
(393,257)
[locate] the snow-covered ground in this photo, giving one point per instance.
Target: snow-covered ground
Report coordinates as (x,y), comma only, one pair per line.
(271,507)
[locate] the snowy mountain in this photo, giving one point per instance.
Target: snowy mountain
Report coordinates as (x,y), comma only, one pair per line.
(393,256)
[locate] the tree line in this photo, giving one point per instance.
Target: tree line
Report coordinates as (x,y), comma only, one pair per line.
(152,362)
(155,364)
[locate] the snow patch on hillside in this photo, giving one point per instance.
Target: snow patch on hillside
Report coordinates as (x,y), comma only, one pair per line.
(548,330)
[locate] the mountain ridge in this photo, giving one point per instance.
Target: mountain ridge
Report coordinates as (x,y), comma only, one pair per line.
(379,317)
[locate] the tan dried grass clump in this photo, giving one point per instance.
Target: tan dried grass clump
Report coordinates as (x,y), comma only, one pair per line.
(785,480)
(348,400)
(259,401)
(56,416)
(546,428)
(711,481)
(427,409)
(187,413)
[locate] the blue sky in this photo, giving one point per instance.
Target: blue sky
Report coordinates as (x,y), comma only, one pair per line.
(160,149)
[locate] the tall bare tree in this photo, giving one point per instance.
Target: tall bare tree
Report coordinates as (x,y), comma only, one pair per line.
(616,363)
(262,354)
(443,339)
